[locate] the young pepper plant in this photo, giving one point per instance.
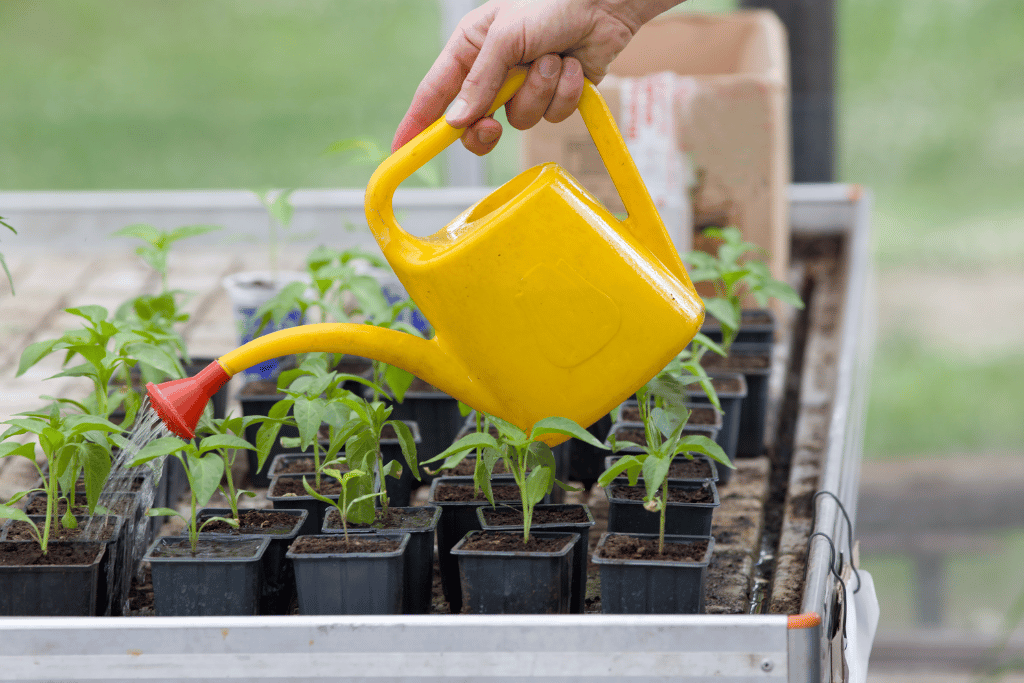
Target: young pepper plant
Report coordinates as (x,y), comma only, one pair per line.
(204,466)
(229,445)
(353,503)
(732,278)
(525,456)
(663,434)
(3,262)
(71,445)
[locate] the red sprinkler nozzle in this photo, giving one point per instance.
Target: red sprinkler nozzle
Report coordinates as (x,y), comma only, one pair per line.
(180,402)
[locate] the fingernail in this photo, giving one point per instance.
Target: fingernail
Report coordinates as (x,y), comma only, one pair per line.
(456,112)
(550,66)
(487,136)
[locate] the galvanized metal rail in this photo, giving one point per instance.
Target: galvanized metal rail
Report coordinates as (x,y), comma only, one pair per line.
(506,648)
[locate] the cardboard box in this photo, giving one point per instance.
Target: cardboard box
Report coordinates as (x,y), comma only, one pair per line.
(730,91)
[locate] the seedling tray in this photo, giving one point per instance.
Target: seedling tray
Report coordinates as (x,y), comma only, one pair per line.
(755,647)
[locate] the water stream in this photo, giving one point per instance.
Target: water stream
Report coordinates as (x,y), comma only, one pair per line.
(129,492)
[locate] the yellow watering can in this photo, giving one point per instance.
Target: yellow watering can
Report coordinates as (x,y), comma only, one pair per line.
(543,303)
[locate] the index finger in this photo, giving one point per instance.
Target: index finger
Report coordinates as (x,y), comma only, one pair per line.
(437,90)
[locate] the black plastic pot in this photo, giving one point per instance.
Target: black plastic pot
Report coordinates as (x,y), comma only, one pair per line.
(686,519)
(278,573)
(457,519)
(518,582)
(283,459)
(351,583)
(732,407)
(400,490)
(315,509)
(630,415)
(419,554)
(578,590)
(50,590)
(714,476)
(755,364)
(757,326)
(653,586)
(224,577)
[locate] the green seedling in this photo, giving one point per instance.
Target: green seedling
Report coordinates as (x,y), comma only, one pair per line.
(230,446)
(72,445)
(525,456)
(354,503)
(158,243)
(732,278)
(663,433)
(204,468)
(280,212)
(313,397)
(368,152)
(108,348)
(3,262)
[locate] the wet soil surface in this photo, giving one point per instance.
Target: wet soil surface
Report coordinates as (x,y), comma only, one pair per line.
(253,522)
(467,467)
(292,486)
(687,469)
(30,554)
(387,519)
(514,517)
(513,542)
(314,545)
(626,548)
(698,416)
(454,493)
(21,531)
(713,361)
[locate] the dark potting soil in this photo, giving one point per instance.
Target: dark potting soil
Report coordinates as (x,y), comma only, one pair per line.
(675,495)
(687,469)
(513,542)
(316,545)
(21,531)
(454,493)
(396,519)
(297,466)
(713,361)
(30,554)
(38,506)
(467,467)
(253,522)
(292,486)
(140,596)
(207,548)
(631,434)
(698,416)
(514,516)
(726,385)
(621,547)
(136,485)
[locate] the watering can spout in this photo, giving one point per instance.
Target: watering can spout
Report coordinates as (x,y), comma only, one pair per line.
(180,403)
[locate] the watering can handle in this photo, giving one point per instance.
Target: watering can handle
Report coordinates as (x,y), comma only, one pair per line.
(644,221)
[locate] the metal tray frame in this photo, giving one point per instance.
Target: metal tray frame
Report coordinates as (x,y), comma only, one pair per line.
(506,648)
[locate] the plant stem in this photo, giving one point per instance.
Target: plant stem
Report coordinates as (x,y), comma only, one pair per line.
(664,510)
(232,498)
(383,488)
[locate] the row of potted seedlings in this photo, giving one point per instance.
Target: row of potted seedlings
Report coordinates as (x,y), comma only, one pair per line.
(354,441)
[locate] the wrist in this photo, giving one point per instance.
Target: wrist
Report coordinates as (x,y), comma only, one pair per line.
(634,13)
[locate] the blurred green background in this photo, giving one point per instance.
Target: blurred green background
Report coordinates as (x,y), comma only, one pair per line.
(242,94)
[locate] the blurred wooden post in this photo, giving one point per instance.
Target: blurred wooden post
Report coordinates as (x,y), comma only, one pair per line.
(462,167)
(811,28)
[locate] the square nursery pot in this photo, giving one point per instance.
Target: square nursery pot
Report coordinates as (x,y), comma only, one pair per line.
(578,589)
(516,581)
(458,517)
(731,388)
(705,420)
(339,582)
(628,515)
(653,586)
(292,463)
(283,499)
(585,460)
(420,523)
(281,526)
(696,471)
(32,588)
(755,364)
(757,326)
(224,576)
(113,580)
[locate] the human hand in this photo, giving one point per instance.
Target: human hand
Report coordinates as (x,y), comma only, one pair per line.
(563,41)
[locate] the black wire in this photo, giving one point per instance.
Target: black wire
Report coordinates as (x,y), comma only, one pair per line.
(849,527)
(832,569)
